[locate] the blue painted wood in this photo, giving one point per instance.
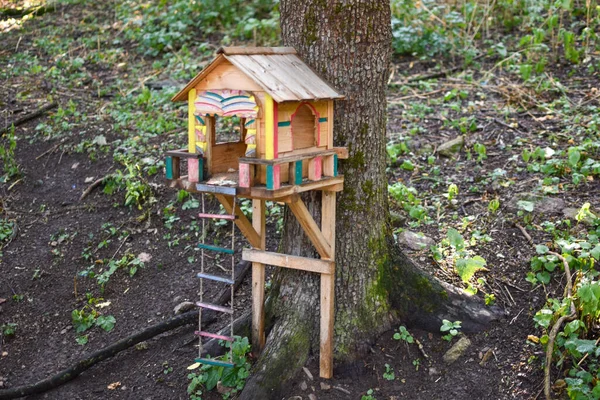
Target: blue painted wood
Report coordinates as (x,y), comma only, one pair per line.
(298,173)
(169,167)
(270,179)
(231,191)
(216,278)
(216,363)
(335,163)
(200,169)
(215,248)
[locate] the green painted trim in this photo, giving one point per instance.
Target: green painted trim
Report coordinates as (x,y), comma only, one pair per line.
(216,363)
(200,169)
(298,177)
(169,167)
(215,248)
(335,165)
(270,177)
(284,123)
(323,119)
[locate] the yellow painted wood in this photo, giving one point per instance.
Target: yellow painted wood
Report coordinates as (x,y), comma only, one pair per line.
(191,121)
(269,128)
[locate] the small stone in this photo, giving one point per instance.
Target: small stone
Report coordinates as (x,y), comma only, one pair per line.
(433,371)
(312,396)
(295,398)
(308,373)
(183,307)
(4,353)
(89,179)
(541,204)
(303,385)
(141,346)
(451,147)
(325,386)
(456,351)
(414,241)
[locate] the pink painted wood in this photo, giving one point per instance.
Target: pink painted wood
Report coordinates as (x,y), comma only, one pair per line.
(244,175)
(318,167)
(214,336)
(276,176)
(217,216)
(192,169)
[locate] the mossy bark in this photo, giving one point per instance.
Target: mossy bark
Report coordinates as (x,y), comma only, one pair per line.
(348,42)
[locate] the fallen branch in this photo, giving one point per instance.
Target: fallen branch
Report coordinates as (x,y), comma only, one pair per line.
(21,12)
(31,116)
(51,149)
(75,370)
(93,186)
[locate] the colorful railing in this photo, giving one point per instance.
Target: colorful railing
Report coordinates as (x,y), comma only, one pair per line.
(195,165)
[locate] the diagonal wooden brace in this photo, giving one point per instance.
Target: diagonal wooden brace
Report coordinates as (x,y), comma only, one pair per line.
(242,222)
(311,228)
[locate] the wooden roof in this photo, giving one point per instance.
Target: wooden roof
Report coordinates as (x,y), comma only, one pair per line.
(278,70)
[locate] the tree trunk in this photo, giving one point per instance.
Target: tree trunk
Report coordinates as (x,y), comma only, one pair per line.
(348,42)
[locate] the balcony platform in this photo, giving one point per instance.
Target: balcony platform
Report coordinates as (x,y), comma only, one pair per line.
(227,184)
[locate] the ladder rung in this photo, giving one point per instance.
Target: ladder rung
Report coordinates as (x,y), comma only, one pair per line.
(215,248)
(215,307)
(216,363)
(216,278)
(218,216)
(214,336)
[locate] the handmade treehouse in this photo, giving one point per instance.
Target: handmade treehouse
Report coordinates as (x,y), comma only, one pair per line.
(281,145)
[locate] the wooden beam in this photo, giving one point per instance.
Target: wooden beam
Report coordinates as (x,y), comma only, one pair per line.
(310,228)
(325,183)
(191,121)
(242,222)
(327,289)
(258,279)
(325,267)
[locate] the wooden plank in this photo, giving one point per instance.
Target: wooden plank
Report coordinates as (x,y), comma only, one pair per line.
(328,209)
(328,165)
(242,222)
(191,121)
(245,180)
(216,363)
(227,76)
(214,307)
(342,152)
(335,184)
(311,229)
(210,141)
(193,170)
(182,154)
(255,50)
(217,216)
(288,159)
(203,188)
(215,278)
(224,156)
(169,167)
(214,336)
(258,278)
(287,261)
(330,124)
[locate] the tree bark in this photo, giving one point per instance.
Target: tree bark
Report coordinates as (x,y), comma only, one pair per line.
(348,42)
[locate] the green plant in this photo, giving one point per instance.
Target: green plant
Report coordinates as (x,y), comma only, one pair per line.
(8,329)
(87,317)
(368,396)
(493,205)
(6,230)
(10,166)
(232,377)
(481,152)
(451,327)
(403,335)
(389,373)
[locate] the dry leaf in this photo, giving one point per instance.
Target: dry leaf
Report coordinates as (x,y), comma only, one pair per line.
(114,385)
(194,366)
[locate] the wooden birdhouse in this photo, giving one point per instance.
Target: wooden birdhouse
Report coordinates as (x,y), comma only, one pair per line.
(280,119)
(260,126)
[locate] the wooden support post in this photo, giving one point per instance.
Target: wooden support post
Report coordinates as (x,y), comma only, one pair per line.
(311,228)
(287,261)
(258,279)
(327,289)
(241,221)
(295,173)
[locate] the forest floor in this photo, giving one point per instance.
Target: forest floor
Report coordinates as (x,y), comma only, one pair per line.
(510,167)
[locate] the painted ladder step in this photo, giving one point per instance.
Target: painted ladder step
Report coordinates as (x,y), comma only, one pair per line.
(214,336)
(215,307)
(217,216)
(215,248)
(216,278)
(216,363)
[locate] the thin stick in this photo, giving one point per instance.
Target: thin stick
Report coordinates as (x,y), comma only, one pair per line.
(51,149)
(93,186)
(31,116)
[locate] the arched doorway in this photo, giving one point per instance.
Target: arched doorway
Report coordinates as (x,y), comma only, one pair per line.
(304,127)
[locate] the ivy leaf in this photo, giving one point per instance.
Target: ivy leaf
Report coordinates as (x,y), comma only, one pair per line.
(541,249)
(543,277)
(526,205)
(543,317)
(467,267)
(574,156)
(106,322)
(582,346)
(456,240)
(214,376)
(596,252)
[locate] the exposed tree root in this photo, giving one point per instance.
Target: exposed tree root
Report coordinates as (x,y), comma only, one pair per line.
(93,186)
(73,371)
(21,12)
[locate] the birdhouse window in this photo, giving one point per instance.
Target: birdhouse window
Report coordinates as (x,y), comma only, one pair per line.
(305,125)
